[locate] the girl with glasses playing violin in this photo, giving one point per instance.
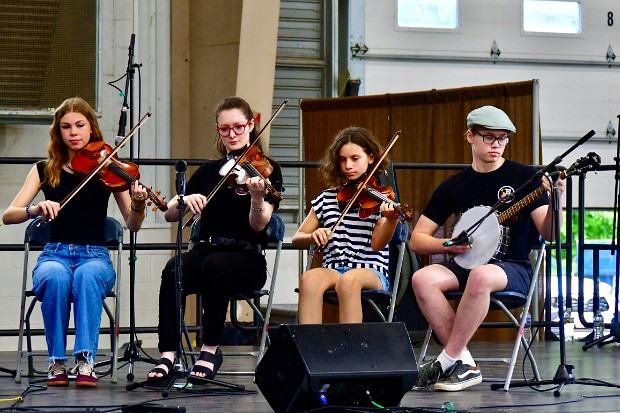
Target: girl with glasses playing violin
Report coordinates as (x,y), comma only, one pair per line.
(75,265)
(227,255)
(356,254)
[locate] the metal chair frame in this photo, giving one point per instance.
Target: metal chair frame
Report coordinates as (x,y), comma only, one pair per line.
(505,301)
(36,236)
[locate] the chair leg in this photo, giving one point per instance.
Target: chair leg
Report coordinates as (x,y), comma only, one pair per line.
(265,333)
(520,340)
(20,341)
(424,349)
(31,369)
(375,308)
(399,267)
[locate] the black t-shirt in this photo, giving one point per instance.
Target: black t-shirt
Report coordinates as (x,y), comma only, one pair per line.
(227,214)
(81,221)
(469,188)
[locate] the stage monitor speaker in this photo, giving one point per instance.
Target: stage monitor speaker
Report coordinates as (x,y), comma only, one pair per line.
(322,365)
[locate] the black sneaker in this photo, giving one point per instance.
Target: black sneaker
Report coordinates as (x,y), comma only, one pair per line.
(428,374)
(460,377)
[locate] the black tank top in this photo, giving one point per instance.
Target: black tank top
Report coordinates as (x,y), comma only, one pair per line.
(82,220)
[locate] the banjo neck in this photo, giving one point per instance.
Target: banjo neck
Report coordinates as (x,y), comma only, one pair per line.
(528,199)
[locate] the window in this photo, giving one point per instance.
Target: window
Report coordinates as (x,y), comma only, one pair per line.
(427,14)
(48,52)
(552,16)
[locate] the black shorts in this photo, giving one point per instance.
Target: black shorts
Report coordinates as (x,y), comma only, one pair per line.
(519,274)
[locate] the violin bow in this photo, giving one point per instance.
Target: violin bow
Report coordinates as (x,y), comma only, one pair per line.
(92,173)
(237,160)
(359,190)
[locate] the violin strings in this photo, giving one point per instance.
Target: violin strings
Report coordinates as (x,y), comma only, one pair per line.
(125,175)
(252,170)
(381,197)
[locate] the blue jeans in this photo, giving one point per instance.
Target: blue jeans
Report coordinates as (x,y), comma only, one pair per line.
(82,274)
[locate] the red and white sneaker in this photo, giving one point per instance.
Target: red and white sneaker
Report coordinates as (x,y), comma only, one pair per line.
(86,376)
(57,374)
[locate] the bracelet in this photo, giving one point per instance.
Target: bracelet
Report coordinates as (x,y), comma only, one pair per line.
(258,209)
(28,212)
(137,209)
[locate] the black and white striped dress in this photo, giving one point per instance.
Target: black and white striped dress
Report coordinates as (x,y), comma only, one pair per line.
(350,244)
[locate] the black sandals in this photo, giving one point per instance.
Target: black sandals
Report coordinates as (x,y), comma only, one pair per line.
(209,374)
(165,374)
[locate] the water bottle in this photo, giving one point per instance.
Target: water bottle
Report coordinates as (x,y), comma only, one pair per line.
(598,325)
(527,327)
(569,325)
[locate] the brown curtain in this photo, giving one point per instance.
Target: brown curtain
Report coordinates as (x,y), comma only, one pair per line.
(432,124)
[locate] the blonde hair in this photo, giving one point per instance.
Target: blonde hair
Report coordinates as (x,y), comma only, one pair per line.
(57,151)
(329,169)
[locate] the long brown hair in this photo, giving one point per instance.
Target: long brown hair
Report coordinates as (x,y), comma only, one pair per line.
(329,169)
(57,151)
(235,102)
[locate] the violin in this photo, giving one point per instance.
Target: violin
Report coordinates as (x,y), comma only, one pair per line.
(116,176)
(370,199)
(252,164)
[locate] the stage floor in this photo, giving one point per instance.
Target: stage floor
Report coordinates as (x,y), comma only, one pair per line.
(596,363)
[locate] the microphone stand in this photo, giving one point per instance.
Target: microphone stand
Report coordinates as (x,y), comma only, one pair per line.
(132,353)
(564,373)
(614,328)
(179,370)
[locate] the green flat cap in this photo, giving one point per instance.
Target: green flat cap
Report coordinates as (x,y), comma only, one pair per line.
(490,117)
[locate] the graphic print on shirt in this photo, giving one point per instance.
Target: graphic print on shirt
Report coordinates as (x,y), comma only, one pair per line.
(505,191)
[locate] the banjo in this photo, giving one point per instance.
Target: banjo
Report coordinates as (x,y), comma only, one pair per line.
(489,239)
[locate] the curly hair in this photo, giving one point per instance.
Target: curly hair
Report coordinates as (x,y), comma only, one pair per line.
(58,153)
(235,102)
(329,169)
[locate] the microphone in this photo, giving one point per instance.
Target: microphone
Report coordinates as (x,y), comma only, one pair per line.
(122,122)
(462,238)
(181,167)
(586,137)
(551,167)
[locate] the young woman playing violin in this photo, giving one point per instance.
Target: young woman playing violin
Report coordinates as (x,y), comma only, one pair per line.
(75,265)
(356,255)
(227,256)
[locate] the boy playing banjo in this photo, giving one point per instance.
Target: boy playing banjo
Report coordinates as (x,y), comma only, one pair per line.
(490,178)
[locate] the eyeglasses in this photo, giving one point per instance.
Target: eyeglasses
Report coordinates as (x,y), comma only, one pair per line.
(224,131)
(490,139)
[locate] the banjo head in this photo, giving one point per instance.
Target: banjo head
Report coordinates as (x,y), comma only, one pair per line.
(489,239)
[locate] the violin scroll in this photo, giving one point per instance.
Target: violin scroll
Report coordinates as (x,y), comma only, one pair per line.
(160,203)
